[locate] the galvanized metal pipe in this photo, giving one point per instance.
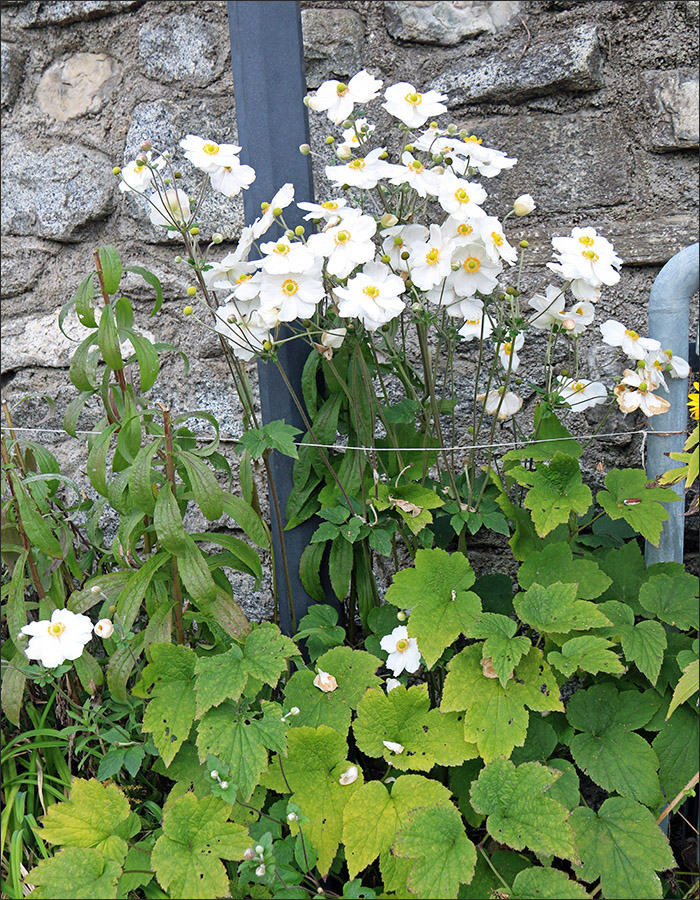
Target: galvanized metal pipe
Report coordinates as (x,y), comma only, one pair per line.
(669,313)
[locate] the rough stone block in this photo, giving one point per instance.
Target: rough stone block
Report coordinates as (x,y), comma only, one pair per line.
(333,43)
(65,12)
(38,341)
(572,64)
(21,264)
(53,194)
(82,83)
(182,48)
(673,96)
(447,23)
(12,69)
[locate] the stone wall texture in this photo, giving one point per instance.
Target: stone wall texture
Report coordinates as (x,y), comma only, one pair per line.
(598,100)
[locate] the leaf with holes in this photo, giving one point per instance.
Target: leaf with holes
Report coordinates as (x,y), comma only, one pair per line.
(623,846)
(502,647)
(403,718)
(518,812)
(555,609)
(443,607)
(627,497)
(196,837)
(167,683)
(496,717)
(588,653)
(556,490)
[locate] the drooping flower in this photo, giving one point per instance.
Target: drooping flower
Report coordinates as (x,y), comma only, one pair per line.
(208,155)
(403,651)
(580,394)
(430,261)
(508,353)
(104,628)
(373,296)
(363,171)
(171,211)
(392,684)
(414,109)
(665,361)
(138,174)
(338,99)
(477,324)
(281,200)
(524,205)
(506,408)
(346,245)
(325,682)
(471,153)
(635,391)
(549,308)
(461,198)
(635,347)
(491,233)
(62,637)
(353,137)
(231,180)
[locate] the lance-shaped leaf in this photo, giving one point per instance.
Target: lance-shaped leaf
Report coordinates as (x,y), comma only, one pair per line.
(168,681)
(442,856)
(555,609)
(241,739)
(317,760)
(496,717)
(556,563)
(353,671)
(588,653)
(644,645)
(403,718)
(196,838)
(97,816)
(627,497)
(518,812)
(608,750)
(501,646)
(75,874)
(673,599)
(443,607)
(548,884)
(624,847)
(556,490)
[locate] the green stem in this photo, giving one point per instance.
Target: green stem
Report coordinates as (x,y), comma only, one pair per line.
(170,471)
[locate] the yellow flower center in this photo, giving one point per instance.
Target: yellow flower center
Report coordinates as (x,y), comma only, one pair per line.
(643,387)
(658,364)
(402,645)
(578,311)
(464,229)
(357,164)
(462,195)
(329,204)
(417,165)
(578,386)
(244,277)
(371,290)
(432,256)
(590,254)
(282,249)
(508,348)
(497,238)
(342,237)
(290,287)
(57,629)
(668,353)
(210,148)
(471,265)
(414,99)
(472,321)
(342,89)
(474,139)
(631,334)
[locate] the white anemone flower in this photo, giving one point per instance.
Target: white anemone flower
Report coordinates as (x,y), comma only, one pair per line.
(635,392)
(413,172)
(231,180)
(508,353)
(326,210)
(175,211)
(460,232)
(338,99)
(477,272)
(549,308)
(208,155)
(491,233)
(62,637)
(414,109)
(632,345)
(584,291)
(470,153)
(477,324)
(586,256)
(355,135)
(333,338)
(284,256)
(281,200)
(504,403)
(461,198)
(138,174)
(403,651)
(430,261)
(246,333)
(581,315)
(524,205)
(580,394)
(231,271)
(293,295)
(363,171)
(664,361)
(373,296)
(396,241)
(346,245)
(392,684)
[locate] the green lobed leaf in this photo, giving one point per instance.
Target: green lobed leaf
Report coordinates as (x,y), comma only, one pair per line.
(644,645)
(556,562)
(539,744)
(588,653)
(673,599)
(403,716)
(623,846)
(676,746)
(168,683)
(221,677)
(266,653)
(518,812)
(73,874)
(187,857)
(556,490)
(627,497)
(548,884)
(625,567)
(442,856)
(369,825)
(555,609)
(443,607)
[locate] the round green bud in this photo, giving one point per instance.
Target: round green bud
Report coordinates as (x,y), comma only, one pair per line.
(116,170)
(347,124)
(194,230)
(437,157)
(384,155)
(401,615)
(304,149)
(409,147)
(518,381)
(409,283)
(510,290)
(405,254)
(330,139)
(188,310)
(470,429)
(299,230)
(191,290)
(177,174)
(451,128)
(398,241)
(448,160)
(167,181)
(386,327)
(112,609)
(267,345)
(289,233)
(178,259)
(385,259)
(501,297)
(217,237)
(524,244)
(264,205)
(277,211)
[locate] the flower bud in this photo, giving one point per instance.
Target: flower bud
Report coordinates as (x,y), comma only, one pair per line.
(569,324)
(384,155)
(299,230)
(249,853)
(116,170)
(304,149)
(523,205)
(292,817)
(223,785)
(104,628)
(259,849)
(451,128)
(146,146)
(277,211)
(330,140)
(177,174)
(524,244)
(112,610)
(294,711)
(349,776)
(385,259)
(260,871)
(214,774)
(178,259)
(191,291)
(409,147)
(388,220)
(401,615)
(194,230)
(95,589)
(217,237)
(405,254)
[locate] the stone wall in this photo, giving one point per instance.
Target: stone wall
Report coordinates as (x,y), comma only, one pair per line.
(599,100)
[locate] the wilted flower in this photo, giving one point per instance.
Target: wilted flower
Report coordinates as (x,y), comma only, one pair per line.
(392,683)
(508,407)
(580,394)
(333,338)
(635,392)
(174,211)
(350,775)
(403,651)
(62,637)
(393,747)
(325,682)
